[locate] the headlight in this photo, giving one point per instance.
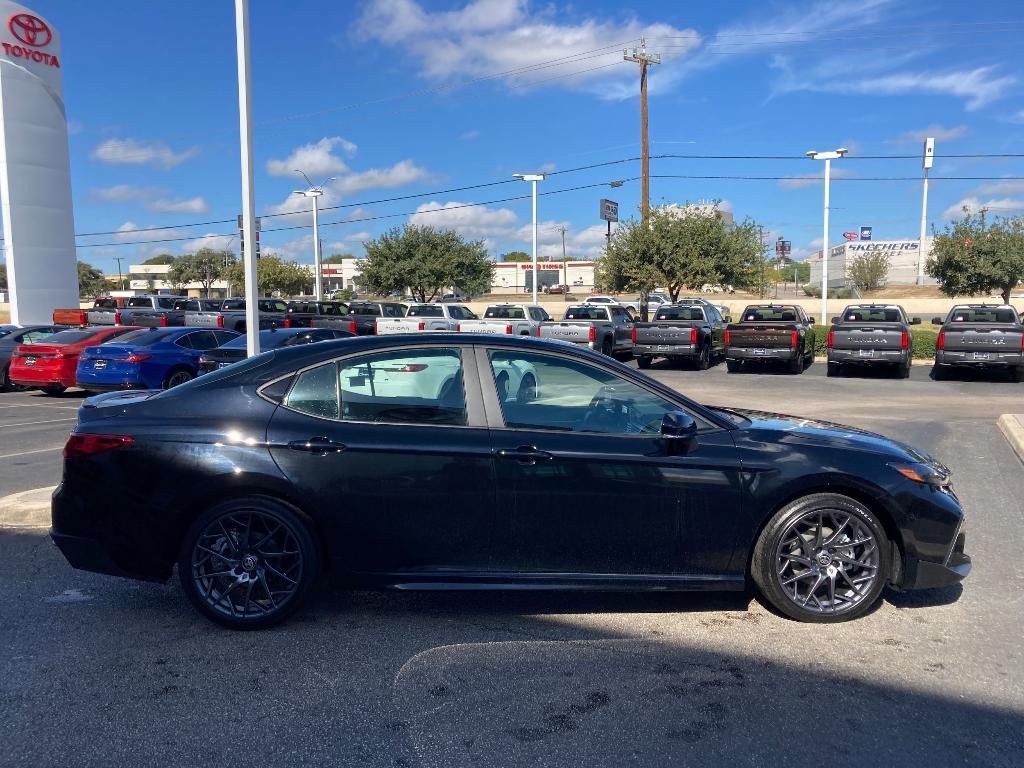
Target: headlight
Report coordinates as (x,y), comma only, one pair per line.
(923,473)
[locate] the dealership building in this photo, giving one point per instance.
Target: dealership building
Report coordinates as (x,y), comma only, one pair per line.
(904,256)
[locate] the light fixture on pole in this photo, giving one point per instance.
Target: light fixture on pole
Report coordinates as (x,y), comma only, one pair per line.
(534,178)
(315,192)
(927,159)
(828,157)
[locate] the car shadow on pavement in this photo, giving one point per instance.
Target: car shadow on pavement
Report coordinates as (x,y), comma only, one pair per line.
(924,598)
(978,375)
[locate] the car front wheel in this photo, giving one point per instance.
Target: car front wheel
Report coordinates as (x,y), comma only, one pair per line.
(248,564)
(823,558)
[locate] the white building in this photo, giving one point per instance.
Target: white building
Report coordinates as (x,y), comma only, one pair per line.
(904,256)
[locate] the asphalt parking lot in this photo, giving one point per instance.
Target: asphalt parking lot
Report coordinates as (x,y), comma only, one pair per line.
(100,671)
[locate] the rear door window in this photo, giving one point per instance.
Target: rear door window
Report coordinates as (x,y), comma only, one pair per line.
(203,340)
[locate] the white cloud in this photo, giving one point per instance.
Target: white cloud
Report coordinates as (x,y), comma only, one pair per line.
(935,131)
(126,232)
(138,152)
(316,160)
(1010,187)
(124,193)
(470,135)
(357,237)
(190,205)
(472,221)
(300,249)
(979,86)
(814,179)
(400,174)
(997,206)
(217,242)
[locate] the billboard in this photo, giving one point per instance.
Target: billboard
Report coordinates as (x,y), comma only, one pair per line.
(609,210)
(865,233)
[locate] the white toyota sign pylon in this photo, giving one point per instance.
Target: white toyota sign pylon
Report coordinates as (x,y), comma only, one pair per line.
(35,174)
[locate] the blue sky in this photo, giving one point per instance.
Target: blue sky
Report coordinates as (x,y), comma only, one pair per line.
(406,97)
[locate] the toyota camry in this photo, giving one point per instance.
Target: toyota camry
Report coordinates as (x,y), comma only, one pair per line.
(461,461)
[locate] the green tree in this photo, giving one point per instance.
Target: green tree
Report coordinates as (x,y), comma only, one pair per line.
(425,260)
(337,258)
(163,258)
(869,270)
(205,266)
(972,257)
(681,249)
(91,282)
(3,276)
(273,276)
(796,272)
(516,256)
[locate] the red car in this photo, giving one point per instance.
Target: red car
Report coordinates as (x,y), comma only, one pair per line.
(51,366)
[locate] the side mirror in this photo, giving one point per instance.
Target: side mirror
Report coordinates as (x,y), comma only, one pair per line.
(936,321)
(915,321)
(678,433)
(812,320)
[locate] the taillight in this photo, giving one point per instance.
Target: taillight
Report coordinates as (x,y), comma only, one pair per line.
(117,318)
(593,334)
(422,326)
(87,445)
(352,327)
(163,321)
(727,338)
(287,322)
(633,335)
(458,327)
(508,329)
(905,340)
(940,343)
(794,339)
(136,358)
(693,336)
(538,331)
(83,318)
(831,336)
(220,321)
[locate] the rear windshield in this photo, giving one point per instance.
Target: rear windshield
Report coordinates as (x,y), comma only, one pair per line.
(70,337)
(335,310)
(680,313)
(872,314)
(769,314)
(364,309)
(425,310)
(982,315)
(106,304)
(142,337)
(586,313)
(506,313)
(139,301)
(233,304)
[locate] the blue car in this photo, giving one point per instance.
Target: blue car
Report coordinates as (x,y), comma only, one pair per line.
(152,358)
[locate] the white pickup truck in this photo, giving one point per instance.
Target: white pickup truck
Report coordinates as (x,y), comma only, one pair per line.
(425,317)
(512,319)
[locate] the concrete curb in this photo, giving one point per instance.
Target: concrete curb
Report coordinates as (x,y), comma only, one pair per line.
(28,509)
(1012,427)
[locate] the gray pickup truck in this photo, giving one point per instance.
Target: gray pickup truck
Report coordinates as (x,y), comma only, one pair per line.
(301,314)
(694,332)
(163,318)
(361,319)
(770,333)
(231,315)
(871,335)
(980,336)
(134,306)
(605,328)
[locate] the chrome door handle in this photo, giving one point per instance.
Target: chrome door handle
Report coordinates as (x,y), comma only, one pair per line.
(527,454)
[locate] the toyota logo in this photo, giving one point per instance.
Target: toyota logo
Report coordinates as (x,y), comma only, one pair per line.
(31,30)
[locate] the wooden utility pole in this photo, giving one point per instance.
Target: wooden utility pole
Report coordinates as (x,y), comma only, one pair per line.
(641,57)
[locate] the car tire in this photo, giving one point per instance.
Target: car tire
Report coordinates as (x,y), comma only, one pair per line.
(833,370)
(1017,374)
(274,574)
(643,362)
(939,373)
(177,377)
(5,379)
(903,371)
(54,389)
(825,547)
(733,366)
(607,348)
(704,359)
(796,366)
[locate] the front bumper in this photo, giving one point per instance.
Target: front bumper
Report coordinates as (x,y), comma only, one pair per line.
(878,356)
(666,350)
(756,353)
(995,359)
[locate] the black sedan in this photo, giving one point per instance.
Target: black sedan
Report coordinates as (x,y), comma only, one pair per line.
(481,462)
(271,338)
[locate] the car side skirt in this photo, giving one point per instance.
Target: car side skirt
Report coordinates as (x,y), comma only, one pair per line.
(552,581)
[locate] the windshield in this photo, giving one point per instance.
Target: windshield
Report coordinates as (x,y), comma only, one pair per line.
(680,313)
(983,315)
(769,314)
(505,313)
(586,313)
(425,310)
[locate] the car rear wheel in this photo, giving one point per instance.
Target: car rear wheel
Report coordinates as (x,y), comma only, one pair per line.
(904,370)
(733,366)
(54,389)
(248,564)
(939,373)
(796,365)
(704,360)
(174,378)
(1017,374)
(823,558)
(606,347)
(643,362)
(833,369)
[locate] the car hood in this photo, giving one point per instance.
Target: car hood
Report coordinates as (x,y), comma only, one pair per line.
(830,434)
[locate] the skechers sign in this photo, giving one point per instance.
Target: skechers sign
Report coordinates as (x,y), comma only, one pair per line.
(32,34)
(880,245)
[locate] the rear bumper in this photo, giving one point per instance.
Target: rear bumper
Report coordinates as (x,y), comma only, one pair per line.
(40,378)
(754,353)
(87,554)
(966,359)
(879,356)
(666,350)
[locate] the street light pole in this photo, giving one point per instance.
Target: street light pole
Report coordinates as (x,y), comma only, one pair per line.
(828,157)
(534,178)
(926,163)
(252,324)
(315,192)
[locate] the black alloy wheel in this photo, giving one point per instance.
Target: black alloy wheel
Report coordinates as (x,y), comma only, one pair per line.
(248,564)
(177,377)
(823,558)
(54,389)
(704,359)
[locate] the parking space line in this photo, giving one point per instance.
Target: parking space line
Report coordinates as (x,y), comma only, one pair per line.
(44,421)
(39,405)
(26,453)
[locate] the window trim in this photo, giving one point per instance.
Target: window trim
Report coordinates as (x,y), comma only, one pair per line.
(475,409)
(496,417)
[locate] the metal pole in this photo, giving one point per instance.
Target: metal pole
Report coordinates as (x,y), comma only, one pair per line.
(252,324)
(317,255)
(534,241)
(924,227)
(824,249)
